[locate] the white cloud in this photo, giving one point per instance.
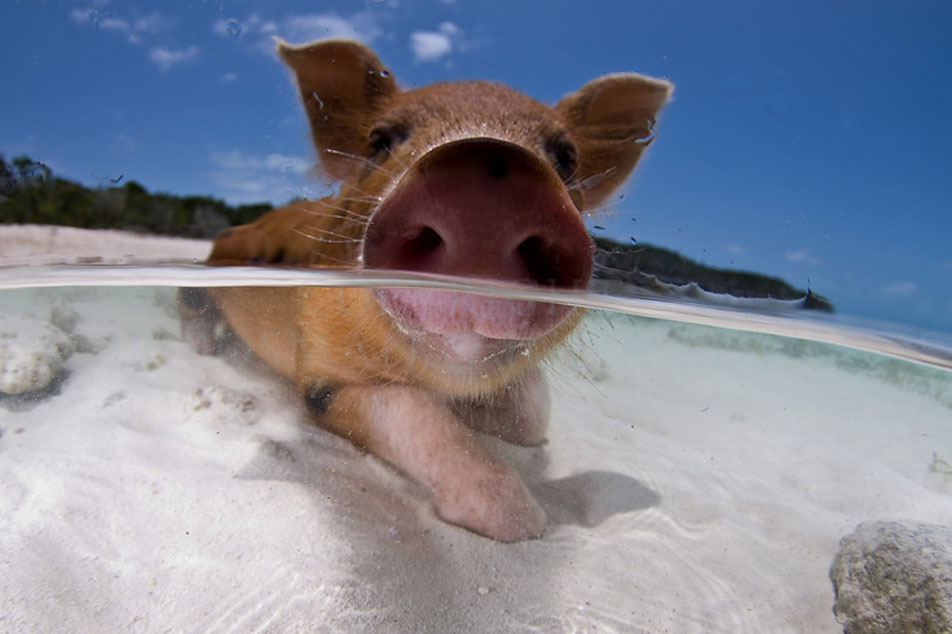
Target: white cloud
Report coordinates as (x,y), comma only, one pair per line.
(247,177)
(132,30)
(82,16)
(152,23)
(430,46)
(228,78)
(282,163)
(274,162)
(802,256)
(114,24)
(234,160)
(902,289)
(166,58)
(736,249)
(300,28)
(303,28)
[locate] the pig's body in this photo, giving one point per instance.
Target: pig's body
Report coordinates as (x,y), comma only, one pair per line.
(469,179)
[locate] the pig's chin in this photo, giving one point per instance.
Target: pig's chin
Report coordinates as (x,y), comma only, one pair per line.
(464,329)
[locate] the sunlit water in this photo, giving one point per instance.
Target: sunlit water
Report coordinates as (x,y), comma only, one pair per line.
(700,468)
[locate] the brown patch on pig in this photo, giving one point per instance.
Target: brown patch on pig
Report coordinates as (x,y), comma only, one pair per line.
(469,179)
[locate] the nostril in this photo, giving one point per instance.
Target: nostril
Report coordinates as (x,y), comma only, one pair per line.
(426,241)
(498,165)
(418,249)
(415,249)
(541,263)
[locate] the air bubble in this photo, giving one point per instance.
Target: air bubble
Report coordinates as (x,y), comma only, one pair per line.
(650,136)
(233,27)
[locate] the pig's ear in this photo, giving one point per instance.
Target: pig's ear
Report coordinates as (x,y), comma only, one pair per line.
(342,85)
(611,120)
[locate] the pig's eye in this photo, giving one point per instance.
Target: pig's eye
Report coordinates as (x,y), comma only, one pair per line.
(564,156)
(384,138)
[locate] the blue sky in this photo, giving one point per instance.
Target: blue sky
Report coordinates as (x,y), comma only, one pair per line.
(809,140)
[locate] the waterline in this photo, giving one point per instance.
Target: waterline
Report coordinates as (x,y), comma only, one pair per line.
(638,303)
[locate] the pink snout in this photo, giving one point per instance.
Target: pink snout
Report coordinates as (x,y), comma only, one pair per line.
(487,209)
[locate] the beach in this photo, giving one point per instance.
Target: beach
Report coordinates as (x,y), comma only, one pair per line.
(696,479)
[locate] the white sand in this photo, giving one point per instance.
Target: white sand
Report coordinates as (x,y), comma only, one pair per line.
(42,244)
(696,480)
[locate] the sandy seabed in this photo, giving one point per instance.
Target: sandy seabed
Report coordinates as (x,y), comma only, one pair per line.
(696,480)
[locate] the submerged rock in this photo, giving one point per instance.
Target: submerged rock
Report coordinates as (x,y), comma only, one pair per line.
(894,577)
(32,353)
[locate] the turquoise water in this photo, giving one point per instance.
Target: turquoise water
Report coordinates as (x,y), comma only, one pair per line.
(700,467)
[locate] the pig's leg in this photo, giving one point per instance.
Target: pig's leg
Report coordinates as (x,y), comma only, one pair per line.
(519,413)
(413,430)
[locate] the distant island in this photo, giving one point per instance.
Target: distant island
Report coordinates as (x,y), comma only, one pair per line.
(658,269)
(31,194)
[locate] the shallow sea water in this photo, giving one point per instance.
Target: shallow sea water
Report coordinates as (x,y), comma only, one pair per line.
(700,469)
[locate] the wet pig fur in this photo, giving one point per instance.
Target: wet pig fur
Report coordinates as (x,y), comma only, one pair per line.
(470,179)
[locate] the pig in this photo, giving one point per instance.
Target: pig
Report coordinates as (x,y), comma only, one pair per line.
(469,179)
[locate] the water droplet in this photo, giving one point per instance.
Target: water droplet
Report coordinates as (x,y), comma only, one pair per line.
(384,73)
(234,28)
(650,136)
(318,101)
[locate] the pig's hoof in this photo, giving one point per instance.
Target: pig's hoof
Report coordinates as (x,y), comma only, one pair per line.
(499,507)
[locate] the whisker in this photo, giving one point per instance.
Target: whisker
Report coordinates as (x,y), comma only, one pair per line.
(594,180)
(360,159)
(393,155)
(325,256)
(319,236)
(369,196)
(337,212)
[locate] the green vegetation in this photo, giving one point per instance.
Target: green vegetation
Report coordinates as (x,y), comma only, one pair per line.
(30,193)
